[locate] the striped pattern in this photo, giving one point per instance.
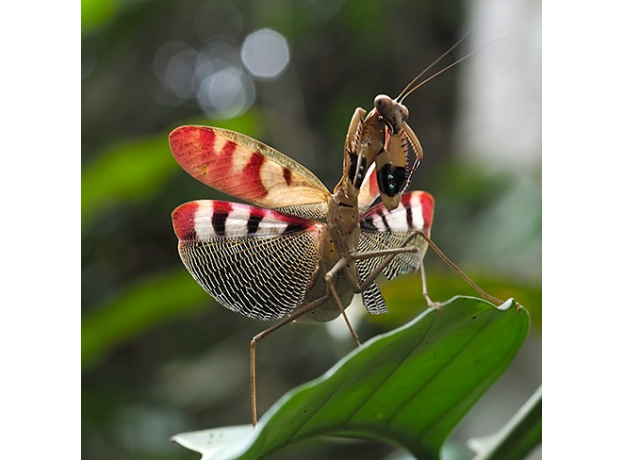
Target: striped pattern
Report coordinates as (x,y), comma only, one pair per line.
(207,219)
(415,211)
(254,261)
(382,229)
(248,169)
(373,300)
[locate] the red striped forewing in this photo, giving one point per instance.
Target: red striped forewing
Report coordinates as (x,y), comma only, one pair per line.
(246,168)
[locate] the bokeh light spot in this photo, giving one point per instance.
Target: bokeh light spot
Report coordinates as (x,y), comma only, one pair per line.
(227,92)
(265,53)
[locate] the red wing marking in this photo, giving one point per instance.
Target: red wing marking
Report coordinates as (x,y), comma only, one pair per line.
(256,189)
(206,220)
(415,211)
(228,149)
(245,168)
(184,220)
(427,203)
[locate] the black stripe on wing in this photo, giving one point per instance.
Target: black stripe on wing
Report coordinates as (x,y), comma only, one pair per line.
(381,230)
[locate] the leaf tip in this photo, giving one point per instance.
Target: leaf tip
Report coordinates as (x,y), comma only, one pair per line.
(210,442)
(507,304)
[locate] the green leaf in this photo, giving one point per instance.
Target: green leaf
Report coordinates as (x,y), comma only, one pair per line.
(409,387)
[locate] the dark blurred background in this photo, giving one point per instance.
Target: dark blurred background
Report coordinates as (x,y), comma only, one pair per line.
(159,357)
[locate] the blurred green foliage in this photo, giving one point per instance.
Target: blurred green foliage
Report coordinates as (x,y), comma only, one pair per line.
(95,13)
(156,349)
(137,309)
(128,172)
